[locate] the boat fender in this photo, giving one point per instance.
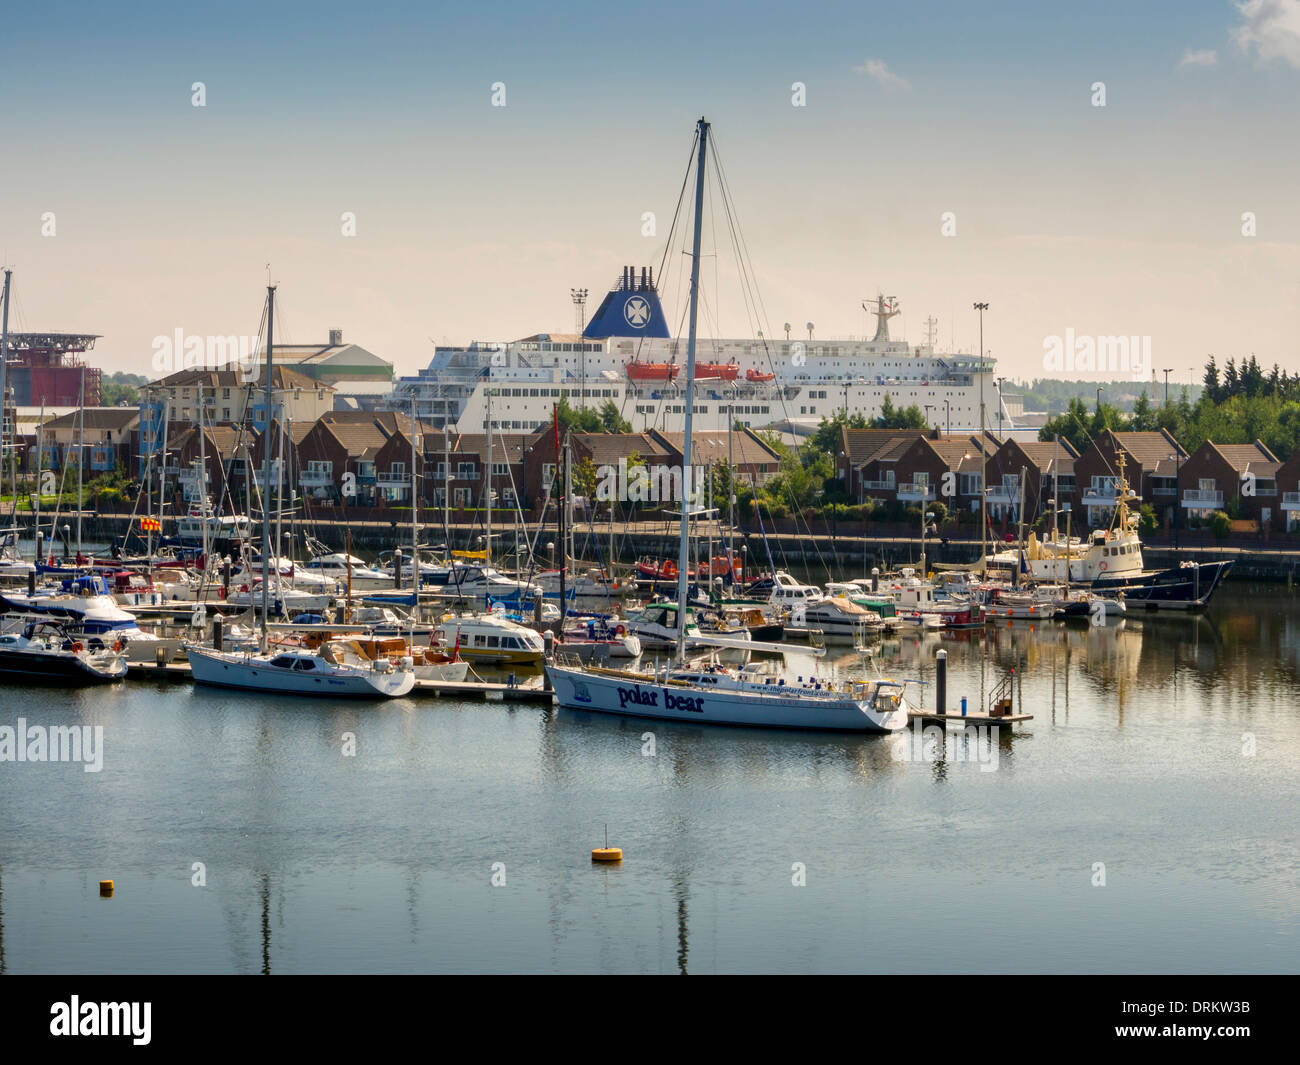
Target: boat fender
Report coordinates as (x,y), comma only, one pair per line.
(117,645)
(76,645)
(619,630)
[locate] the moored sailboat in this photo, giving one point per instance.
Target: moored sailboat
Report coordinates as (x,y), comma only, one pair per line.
(714,694)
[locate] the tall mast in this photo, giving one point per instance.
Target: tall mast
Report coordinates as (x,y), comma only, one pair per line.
(446,489)
(487,557)
(81,455)
(683,560)
(4,395)
(266,464)
(40,461)
(203,491)
(415,516)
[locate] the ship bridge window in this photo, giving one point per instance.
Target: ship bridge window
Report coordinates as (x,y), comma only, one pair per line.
(283,662)
(303,665)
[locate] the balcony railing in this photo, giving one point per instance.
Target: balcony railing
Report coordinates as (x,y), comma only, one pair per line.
(879,486)
(1101,496)
(1002,493)
(1161,490)
(386,477)
(1291,500)
(316,478)
(916,491)
(1200,498)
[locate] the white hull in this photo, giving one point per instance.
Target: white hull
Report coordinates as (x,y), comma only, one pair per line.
(628,697)
(253,673)
(445,671)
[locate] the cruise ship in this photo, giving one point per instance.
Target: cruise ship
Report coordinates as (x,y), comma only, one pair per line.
(626,354)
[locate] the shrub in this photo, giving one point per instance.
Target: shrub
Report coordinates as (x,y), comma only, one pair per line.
(1220,524)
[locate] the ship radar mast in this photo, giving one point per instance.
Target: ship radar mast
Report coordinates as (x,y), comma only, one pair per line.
(886,307)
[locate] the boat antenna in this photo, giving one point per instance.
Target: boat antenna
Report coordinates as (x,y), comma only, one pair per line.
(683,562)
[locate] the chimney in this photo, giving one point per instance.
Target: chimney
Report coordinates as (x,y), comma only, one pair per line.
(336,337)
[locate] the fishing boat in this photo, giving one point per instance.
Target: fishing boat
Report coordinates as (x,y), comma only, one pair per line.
(714,694)
(46,652)
(1109,562)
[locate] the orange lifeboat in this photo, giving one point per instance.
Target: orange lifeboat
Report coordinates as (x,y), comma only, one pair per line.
(723,371)
(759,378)
(652,371)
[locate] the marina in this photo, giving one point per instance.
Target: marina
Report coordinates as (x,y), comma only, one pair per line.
(1141,714)
(705,490)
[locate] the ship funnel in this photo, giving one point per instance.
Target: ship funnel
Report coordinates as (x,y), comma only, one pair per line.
(630,309)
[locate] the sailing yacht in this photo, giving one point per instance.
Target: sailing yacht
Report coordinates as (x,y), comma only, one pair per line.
(714,694)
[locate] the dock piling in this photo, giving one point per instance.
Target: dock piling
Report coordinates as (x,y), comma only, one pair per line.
(941,682)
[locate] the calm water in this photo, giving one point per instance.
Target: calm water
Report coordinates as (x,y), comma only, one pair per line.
(383,861)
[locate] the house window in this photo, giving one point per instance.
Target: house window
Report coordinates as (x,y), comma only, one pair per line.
(500,469)
(1206,484)
(461,497)
(465,469)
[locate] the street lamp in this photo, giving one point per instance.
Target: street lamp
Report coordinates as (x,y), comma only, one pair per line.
(1167,372)
(1099,392)
(984,520)
(579,303)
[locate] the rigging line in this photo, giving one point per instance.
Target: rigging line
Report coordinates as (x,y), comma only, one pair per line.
(677,211)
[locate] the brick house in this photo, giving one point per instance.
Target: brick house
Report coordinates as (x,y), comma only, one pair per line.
(1044,466)
(922,468)
(864,460)
(1239,478)
(602,450)
(1151,460)
(755,462)
(1287,483)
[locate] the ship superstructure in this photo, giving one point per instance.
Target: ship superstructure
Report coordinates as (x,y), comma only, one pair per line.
(626,355)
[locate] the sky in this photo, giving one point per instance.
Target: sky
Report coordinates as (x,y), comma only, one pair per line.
(129,212)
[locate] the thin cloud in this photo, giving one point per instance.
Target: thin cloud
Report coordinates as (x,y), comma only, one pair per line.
(1270,29)
(1206,57)
(883,76)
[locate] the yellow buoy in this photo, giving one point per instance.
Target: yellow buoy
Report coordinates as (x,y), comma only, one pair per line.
(106,889)
(607,853)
